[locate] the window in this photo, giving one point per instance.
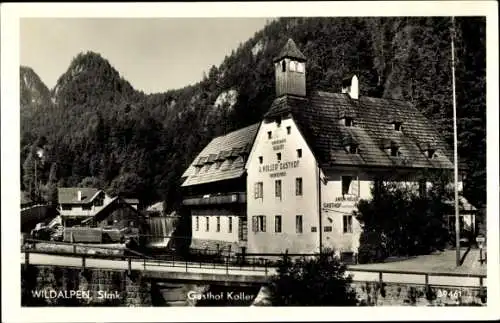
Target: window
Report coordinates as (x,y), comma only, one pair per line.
(299,153)
(218,224)
(259,223)
(298,186)
(395,151)
(87,207)
(431,153)
(298,224)
(230,225)
(397,126)
(346,184)
(197,223)
(347,219)
(261,159)
(269,134)
(328,229)
(288,130)
(283,66)
(314,229)
(277,188)
(352,149)
(99,201)
(300,67)
(110,221)
(278,156)
(277,223)
(292,66)
(348,122)
(259,187)
(66,207)
(207,228)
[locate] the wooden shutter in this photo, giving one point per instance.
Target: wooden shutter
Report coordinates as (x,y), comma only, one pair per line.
(264,223)
(254,223)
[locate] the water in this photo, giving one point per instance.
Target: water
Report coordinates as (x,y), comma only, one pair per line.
(161,228)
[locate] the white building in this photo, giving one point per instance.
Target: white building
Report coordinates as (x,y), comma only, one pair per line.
(299,173)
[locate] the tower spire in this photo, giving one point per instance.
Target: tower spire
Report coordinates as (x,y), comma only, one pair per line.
(290,71)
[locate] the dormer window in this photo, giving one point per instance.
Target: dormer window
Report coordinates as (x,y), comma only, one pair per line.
(352,149)
(398,125)
(431,153)
(348,122)
(395,151)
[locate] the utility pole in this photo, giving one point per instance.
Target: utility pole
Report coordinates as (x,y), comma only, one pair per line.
(455,144)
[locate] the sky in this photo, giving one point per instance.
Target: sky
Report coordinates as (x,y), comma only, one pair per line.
(153,54)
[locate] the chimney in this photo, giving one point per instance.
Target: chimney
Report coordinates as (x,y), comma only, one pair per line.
(79,195)
(350,85)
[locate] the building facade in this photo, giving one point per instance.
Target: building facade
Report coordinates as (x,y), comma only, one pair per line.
(311,159)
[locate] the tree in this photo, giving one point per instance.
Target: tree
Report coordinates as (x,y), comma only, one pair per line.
(399,221)
(93,182)
(127,185)
(318,281)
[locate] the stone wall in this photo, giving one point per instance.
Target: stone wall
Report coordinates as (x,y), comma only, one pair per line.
(374,294)
(56,286)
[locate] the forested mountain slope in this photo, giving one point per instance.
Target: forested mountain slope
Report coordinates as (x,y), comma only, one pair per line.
(97,130)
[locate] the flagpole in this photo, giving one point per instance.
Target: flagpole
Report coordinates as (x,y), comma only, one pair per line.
(455,148)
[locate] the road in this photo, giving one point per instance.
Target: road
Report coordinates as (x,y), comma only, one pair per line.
(197,268)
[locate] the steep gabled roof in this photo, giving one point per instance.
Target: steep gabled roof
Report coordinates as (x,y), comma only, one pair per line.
(227,152)
(290,50)
(320,117)
(69,195)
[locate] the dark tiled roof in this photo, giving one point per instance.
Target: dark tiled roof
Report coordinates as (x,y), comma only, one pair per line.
(230,152)
(69,195)
(290,50)
(319,118)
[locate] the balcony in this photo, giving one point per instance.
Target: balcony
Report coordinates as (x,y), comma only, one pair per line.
(209,199)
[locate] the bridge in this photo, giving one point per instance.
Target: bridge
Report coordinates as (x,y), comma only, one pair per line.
(254,272)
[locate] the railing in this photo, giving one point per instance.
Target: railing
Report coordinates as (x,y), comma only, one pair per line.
(226,198)
(235,264)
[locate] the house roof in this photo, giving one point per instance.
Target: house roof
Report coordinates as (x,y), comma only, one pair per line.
(157,207)
(115,203)
(223,158)
(290,50)
(319,118)
(69,195)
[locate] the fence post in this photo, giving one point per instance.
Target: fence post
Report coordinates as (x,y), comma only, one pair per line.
(26,258)
(380,278)
(265,266)
(480,282)
(186,265)
(144,263)
(426,280)
(83,262)
(227,265)
(129,266)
